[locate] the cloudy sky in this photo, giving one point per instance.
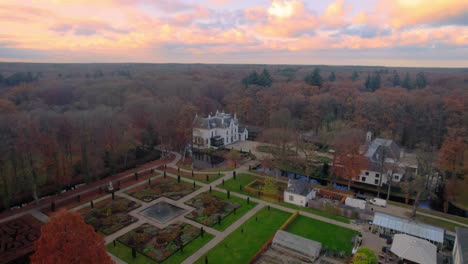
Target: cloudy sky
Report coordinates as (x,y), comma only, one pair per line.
(362,32)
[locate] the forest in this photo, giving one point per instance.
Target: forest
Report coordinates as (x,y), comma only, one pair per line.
(63,124)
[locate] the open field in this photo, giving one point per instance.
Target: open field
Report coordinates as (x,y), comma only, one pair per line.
(242,244)
(335,238)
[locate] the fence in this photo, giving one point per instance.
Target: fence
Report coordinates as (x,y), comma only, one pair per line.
(270,240)
(248,188)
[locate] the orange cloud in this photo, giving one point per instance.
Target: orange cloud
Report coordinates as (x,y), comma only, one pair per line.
(401,13)
(335,14)
(286,18)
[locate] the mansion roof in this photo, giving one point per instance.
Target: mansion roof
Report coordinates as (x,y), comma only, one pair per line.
(219,120)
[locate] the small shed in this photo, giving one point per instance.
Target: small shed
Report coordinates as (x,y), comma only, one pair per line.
(298,246)
(356,203)
(414,249)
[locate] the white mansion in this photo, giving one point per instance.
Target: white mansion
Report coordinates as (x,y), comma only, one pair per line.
(217,131)
(386,160)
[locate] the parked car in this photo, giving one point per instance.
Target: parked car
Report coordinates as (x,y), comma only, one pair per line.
(378,202)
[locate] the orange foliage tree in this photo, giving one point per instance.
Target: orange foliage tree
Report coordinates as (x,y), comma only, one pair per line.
(66,238)
(347,161)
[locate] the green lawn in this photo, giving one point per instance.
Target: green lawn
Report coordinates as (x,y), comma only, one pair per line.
(125,253)
(239,247)
(437,222)
(231,218)
(244,179)
(331,236)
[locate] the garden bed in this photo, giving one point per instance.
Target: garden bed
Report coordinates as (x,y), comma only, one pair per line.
(109,216)
(160,244)
(210,208)
(162,187)
(17,239)
(196,175)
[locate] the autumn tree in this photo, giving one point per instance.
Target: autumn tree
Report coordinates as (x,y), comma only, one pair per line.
(66,238)
(364,255)
(347,161)
(416,184)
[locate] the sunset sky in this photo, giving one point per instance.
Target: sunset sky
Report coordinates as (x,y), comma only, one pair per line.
(361,32)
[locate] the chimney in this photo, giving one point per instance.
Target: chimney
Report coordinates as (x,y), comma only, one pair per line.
(368,137)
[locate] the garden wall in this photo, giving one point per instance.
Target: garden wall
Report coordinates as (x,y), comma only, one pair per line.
(270,240)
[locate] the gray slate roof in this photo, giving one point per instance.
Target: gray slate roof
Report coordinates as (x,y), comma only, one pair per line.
(300,187)
(297,243)
(462,240)
(221,120)
(409,227)
(376,150)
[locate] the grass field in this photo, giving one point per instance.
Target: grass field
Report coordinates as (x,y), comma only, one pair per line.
(231,218)
(239,247)
(331,236)
(244,179)
(125,253)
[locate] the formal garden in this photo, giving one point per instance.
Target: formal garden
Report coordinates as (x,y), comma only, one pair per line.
(162,187)
(244,242)
(109,216)
(217,210)
(194,175)
(17,238)
(151,244)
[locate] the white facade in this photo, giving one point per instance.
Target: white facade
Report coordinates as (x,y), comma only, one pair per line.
(296,199)
(376,178)
(298,192)
(216,131)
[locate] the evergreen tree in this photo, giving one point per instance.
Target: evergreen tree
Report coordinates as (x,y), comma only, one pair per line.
(265,79)
(373,82)
(421,81)
(314,78)
(355,76)
(396,79)
(407,82)
(367,83)
(332,77)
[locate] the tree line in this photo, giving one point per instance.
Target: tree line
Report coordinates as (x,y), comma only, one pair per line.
(57,131)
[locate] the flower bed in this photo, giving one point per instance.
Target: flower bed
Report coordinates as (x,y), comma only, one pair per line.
(109,216)
(198,176)
(159,244)
(17,238)
(162,187)
(209,208)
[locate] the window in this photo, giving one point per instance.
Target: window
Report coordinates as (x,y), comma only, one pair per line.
(396,177)
(367,173)
(377,175)
(363,179)
(376,181)
(291,198)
